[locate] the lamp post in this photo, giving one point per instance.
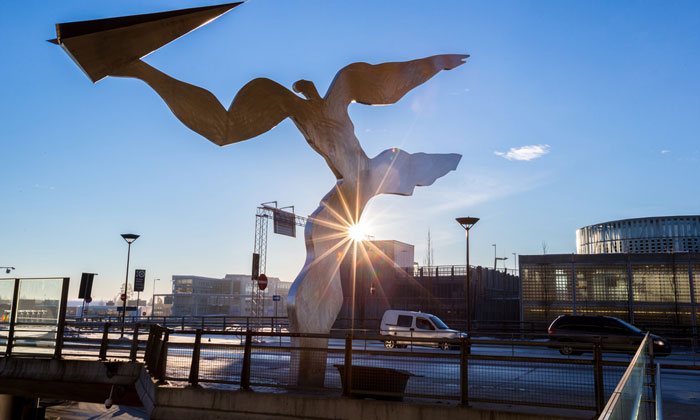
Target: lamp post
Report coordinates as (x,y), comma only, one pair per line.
(153,298)
(495,260)
(504,263)
(8,269)
(467,223)
(129,238)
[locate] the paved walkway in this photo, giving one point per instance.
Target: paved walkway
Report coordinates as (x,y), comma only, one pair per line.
(70,410)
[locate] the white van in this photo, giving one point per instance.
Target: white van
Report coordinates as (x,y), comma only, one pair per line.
(401,326)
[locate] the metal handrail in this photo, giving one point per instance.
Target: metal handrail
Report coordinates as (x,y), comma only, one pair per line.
(617,393)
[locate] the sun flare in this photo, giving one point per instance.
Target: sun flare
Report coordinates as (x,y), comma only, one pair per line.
(358,232)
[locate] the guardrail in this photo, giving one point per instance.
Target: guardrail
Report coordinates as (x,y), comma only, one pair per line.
(476,370)
(359,366)
(638,395)
(205,323)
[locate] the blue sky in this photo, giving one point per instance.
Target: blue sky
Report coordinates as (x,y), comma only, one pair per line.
(604,95)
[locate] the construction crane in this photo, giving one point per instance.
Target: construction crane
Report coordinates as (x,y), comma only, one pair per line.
(285,223)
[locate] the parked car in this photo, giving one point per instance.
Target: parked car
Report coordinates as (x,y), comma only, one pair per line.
(401,326)
(588,329)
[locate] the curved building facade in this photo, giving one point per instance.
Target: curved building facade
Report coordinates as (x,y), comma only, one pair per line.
(643,235)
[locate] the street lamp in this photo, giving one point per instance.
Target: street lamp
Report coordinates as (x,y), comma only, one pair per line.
(8,269)
(153,299)
(504,262)
(467,223)
(129,238)
(497,259)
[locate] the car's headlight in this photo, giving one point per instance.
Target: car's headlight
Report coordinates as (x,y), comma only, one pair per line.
(659,343)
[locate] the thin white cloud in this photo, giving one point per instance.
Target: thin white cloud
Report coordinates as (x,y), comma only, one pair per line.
(525,153)
(663,152)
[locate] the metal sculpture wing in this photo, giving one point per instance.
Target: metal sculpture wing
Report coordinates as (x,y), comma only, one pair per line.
(386,83)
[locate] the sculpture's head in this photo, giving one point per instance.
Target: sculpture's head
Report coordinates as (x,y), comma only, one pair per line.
(306,88)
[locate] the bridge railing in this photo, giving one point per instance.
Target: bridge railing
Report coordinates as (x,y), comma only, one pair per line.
(461,371)
(490,371)
(106,340)
(637,395)
(205,323)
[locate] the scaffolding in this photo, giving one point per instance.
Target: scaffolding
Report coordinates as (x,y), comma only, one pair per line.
(264,213)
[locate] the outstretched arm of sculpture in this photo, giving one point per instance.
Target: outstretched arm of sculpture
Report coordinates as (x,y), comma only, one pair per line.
(397,172)
(384,84)
(258,107)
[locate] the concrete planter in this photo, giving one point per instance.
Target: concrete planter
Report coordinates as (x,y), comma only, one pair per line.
(375,382)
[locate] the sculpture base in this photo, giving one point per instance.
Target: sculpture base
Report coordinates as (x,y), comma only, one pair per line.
(308,362)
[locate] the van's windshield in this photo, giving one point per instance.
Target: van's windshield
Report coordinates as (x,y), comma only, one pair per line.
(438,323)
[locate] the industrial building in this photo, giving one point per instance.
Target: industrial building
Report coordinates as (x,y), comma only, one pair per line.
(230,295)
(388,279)
(640,270)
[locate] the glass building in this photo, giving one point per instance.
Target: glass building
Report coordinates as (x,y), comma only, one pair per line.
(231,296)
(644,235)
(646,289)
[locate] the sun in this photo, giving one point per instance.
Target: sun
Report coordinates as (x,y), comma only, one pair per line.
(358,232)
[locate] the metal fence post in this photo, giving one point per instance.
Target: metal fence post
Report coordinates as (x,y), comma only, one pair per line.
(194,368)
(347,385)
(13,320)
(163,357)
(105,341)
(598,377)
(154,352)
(245,369)
(464,370)
(61,318)
(134,344)
(149,345)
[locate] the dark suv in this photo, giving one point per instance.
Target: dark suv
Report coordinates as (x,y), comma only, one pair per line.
(610,330)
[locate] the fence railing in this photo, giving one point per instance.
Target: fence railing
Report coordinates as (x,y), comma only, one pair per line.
(462,371)
(638,395)
(360,366)
(205,323)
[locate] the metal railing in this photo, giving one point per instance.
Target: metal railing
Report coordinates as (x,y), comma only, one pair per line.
(474,370)
(638,395)
(360,366)
(205,323)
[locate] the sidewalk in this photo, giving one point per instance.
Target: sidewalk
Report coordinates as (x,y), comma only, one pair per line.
(71,410)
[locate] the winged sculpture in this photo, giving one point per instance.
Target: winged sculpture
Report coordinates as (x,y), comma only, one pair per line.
(316,296)
(324,121)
